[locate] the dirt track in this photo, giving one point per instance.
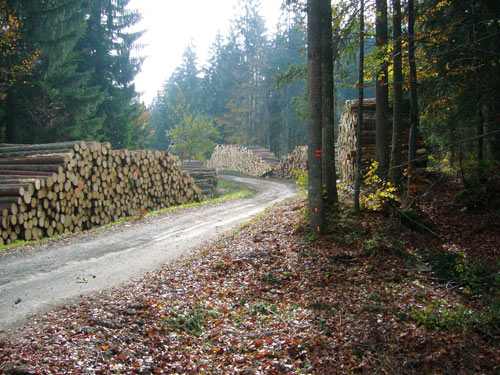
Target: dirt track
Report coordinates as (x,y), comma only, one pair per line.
(41,278)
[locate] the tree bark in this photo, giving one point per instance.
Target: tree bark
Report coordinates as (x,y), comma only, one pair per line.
(359,150)
(328,164)
(412,142)
(397,123)
(315,183)
(382,154)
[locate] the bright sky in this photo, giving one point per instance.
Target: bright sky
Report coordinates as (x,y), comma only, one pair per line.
(171,24)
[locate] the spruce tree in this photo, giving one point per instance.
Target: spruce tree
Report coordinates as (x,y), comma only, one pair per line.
(56,100)
(109,45)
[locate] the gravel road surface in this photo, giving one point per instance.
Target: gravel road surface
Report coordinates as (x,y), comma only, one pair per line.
(38,279)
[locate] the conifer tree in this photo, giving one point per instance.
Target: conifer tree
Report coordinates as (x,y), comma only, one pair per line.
(56,99)
(110,44)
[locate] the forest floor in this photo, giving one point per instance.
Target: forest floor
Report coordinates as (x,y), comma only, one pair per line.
(368,297)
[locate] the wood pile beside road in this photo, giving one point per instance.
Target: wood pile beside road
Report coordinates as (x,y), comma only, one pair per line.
(251,160)
(347,138)
(205,178)
(297,160)
(48,189)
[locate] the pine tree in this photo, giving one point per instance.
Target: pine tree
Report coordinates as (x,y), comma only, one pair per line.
(109,45)
(56,99)
(249,30)
(287,69)
(186,78)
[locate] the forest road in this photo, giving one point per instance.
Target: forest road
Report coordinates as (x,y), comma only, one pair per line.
(37,280)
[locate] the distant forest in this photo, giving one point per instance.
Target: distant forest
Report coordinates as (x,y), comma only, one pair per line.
(67,72)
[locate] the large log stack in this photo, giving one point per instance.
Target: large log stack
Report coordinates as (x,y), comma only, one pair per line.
(205,178)
(49,189)
(252,160)
(297,160)
(347,138)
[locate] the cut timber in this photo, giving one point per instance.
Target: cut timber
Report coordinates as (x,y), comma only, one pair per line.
(69,187)
(205,178)
(34,168)
(251,160)
(347,138)
(36,159)
(297,160)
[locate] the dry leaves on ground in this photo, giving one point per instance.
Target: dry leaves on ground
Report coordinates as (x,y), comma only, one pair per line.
(272,300)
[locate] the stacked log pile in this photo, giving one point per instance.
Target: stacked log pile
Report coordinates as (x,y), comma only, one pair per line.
(265,155)
(205,178)
(252,160)
(297,160)
(347,138)
(69,187)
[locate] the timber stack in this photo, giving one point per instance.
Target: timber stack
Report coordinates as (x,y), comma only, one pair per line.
(347,138)
(252,160)
(205,178)
(297,160)
(48,189)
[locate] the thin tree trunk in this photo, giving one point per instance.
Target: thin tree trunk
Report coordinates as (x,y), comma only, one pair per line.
(479,103)
(382,154)
(397,123)
(315,186)
(357,180)
(328,165)
(412,143)
(288,130)
(492,140)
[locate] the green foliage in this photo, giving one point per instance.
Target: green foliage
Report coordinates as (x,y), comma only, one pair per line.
(302,179)
(463,272)
(440,316)
(238,88)
(15,60)
(190,320)
(458,65)
(81,86)
(263,308)
(380,193)
(194,137)
(372,244)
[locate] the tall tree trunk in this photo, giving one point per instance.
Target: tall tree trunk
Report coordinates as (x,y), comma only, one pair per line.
(315,185)
(328,165)
(397,122)
(382,154)
(288,130)
(479,104)
(492,126)
(412,143)
(357,180)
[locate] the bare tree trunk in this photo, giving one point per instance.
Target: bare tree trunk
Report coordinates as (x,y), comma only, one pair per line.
(357,181)
(397,122)
(479,104)
(382,154)
(315,188)
(492,140)
(328,166)
(412,143)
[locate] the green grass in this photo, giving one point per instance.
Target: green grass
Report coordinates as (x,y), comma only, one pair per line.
(230,190)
